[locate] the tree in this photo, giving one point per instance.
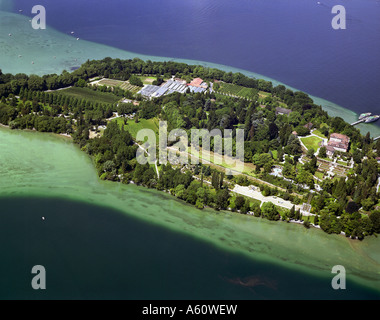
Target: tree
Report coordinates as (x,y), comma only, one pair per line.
(215,180)
(273,131)
(288,171)
(357,156)
(352,207)
(322,152)
(297,215)
(280,154)
(293,146)
(269,211)
(377,147)
(245,208)
(109,166)
(36,83)
(375,219)
(305,177)
(135,81)
(260,160)
(295,118)
(221,200)
(310,152)
(180,191)
(256,209)
(239,202)
(292,212)
(367,204)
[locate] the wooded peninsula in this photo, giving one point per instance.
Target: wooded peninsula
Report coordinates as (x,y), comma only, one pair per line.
(301,165)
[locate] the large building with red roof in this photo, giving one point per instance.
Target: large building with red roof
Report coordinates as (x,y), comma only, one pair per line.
(199,83)
(337,142)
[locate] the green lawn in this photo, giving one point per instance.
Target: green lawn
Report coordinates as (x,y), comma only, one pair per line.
(134,127)
(89,94)
(236,90)
(311,142)
(110,82)
(125,85)
(147,80)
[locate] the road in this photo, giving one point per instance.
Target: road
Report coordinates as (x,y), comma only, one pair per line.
(249,192)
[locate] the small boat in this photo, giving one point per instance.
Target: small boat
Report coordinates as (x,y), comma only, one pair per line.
(43,218)
(77,38)
(372,119)
(364,115)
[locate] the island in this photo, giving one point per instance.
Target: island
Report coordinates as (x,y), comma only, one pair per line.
(301,165)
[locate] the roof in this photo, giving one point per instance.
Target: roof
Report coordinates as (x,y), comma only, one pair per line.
(196,82)
(339,136)
(159,92)
(308,125)
(283,110)
(196,89)
(341,144)
(148,90)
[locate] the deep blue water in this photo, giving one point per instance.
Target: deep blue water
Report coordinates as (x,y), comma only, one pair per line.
(90,252)
(289,40)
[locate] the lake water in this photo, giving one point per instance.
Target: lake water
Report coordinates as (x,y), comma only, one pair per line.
(108,240)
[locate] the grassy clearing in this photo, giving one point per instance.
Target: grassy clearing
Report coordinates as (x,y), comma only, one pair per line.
(263,94)
(134,127)
(147,80)
(236,90)
(311,142)
(110,82)
(125,85)
(89,94)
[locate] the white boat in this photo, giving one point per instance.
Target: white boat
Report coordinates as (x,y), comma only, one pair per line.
(364,115)
(372,119)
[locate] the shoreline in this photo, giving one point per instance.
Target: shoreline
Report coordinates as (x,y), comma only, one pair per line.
(207,225)
(205,208)
(81,51)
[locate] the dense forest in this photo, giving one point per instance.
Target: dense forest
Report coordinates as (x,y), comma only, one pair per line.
(347,204)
